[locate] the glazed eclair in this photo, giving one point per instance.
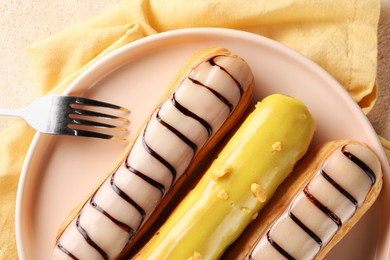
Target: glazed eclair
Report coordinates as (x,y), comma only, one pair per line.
(238,184)
(204,101)
(330,195)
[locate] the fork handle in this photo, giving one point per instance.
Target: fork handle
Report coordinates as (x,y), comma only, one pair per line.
(10,112)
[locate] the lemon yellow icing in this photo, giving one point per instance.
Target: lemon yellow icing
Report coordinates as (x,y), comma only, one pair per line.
(207,224)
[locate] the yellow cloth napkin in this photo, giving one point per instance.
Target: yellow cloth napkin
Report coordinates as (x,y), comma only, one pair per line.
(341,36)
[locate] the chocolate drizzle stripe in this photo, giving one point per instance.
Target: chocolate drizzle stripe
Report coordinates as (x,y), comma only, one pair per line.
(126,197)
(120,224)
(279,248)
(360,163)
(215,93)
(159,157)
(184,138)
(147,179)
(84,233)
(305,228)
(339,188)
(66,251)
(322,207)
(213,63)
(187,112)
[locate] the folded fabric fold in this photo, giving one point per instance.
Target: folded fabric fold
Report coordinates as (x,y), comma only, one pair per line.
(341,36)
(57,69)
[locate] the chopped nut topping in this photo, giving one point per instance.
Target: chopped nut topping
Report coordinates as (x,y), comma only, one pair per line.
(255,215)
(245,209)
(223,195)
(277,146)
(259,192)
(257,104)
(220,171)
(196,256)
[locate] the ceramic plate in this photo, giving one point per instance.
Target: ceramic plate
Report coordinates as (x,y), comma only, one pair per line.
(60,171)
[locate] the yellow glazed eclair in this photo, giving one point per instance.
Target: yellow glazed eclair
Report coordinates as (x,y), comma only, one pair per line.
(238,184)
(329,193)
(201,105)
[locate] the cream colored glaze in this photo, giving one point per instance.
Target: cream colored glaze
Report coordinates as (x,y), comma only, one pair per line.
(188,126)
(199,100)
(324,226)
(292,238)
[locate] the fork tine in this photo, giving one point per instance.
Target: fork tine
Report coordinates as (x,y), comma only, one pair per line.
(85,122)
(85,133)
(84,112)
(91,102)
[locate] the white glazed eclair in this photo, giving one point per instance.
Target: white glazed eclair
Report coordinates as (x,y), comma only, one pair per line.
(202,104)
(317,209)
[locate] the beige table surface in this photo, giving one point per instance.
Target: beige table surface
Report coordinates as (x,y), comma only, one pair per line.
(24,22)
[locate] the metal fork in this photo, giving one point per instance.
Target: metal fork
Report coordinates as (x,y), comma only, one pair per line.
(76,116)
